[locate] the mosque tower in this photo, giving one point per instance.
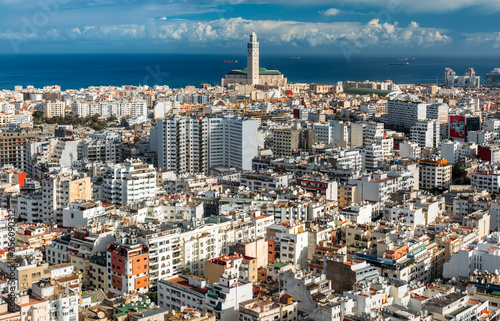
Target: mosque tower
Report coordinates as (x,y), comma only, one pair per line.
(253,60)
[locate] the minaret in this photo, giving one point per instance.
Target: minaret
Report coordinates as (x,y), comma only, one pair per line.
(253,60)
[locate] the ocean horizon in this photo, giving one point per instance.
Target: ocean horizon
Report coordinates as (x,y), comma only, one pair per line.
(75,71)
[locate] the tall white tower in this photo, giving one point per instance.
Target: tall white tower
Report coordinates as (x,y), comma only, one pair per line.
(253,60)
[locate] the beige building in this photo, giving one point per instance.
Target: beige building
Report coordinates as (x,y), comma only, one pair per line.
(237,264)
(347,195)
(53,109)
(325,89)
(25,274)
(33,309)
(262,310)
(285,141)
(13,147)
(256,249)
(61,189)
(189,315)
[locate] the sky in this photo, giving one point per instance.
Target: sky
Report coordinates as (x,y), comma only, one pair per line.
(426,27)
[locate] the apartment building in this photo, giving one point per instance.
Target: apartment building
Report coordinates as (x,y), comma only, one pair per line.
(486,180)
(481,256)
(60,189)
(260,181)
(244,267)
(405,113)
(320,186)
(426,133)
(182,291)
(128,264)
(127,182)
(434,174)
(224,299)
(286,141)
(287,242)
(13,147)
(54,109)
(260,309)
(194,145)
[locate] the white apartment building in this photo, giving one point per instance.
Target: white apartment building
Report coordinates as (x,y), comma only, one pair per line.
(434,174)
(405,213)
(194,145)
(451,151)
(372,133)
(80,213)
(486,180)
(260,181)
(348,160)
(438,112)
(426,133)
(224,299)
(372,155)
(405,113)
(409,150)
(131,181)
(99,150)
(325,133)
(261,309)
(357,134)
(232,142)
(341,133)
(377,187)
(170,251)
(80,109)
(30,208)
(495,216)
(481,256)
(180,291)
(491,124)
(288,243)
(360,213)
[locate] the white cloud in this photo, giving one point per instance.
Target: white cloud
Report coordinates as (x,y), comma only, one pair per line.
(393,6)
(229,32)
(491,39)
(330,12)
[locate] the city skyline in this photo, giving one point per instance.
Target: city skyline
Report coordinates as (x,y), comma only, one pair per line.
(312,27)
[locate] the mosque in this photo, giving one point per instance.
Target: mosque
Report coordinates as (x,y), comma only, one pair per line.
(254,75)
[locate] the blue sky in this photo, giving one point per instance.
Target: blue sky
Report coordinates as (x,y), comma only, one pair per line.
(468,27)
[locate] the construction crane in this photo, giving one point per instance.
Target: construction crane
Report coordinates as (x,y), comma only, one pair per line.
(246,104)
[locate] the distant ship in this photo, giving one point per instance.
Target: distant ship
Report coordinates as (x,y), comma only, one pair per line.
(294,58)
(230,62)
(399,63)
(405,59)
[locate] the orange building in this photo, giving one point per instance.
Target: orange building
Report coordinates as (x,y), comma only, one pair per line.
(129,270)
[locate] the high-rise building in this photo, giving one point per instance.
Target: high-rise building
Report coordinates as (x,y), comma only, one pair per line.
(405,113)
(468,80)
(194,145)
(426,133)
(493,78)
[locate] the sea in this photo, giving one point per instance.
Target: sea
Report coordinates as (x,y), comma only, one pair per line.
(75,71)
